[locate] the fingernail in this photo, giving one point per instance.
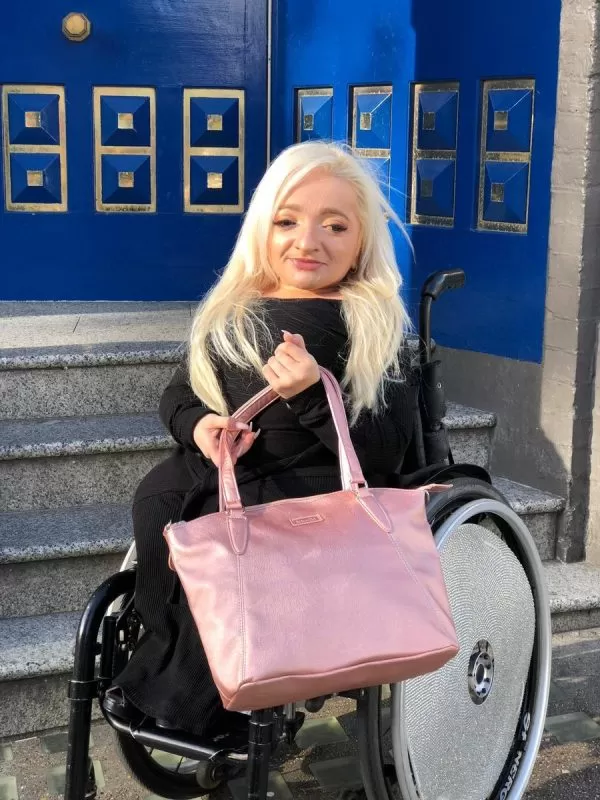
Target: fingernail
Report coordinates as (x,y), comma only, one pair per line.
(288,333)
(256,434)
(241,426)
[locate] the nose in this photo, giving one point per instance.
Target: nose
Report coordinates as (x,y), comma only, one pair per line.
(307,240)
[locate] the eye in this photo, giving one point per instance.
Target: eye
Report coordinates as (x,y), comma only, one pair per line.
(336,227)
(284,223)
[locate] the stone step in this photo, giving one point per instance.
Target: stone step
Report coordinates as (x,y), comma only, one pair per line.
(85,380)
(574,591)
(470,432)
(62,555)
(90,376)
(36,663)
(73,461)
(539,510)
(37,651)
(67,461)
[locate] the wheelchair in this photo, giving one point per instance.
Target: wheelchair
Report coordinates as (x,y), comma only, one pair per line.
(469,731)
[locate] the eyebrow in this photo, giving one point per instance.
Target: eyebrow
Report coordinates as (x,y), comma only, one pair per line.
(324,211)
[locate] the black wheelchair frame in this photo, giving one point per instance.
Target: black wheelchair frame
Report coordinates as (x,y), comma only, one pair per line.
(429,458)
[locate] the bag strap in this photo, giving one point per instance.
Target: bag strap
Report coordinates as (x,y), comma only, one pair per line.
(351,472)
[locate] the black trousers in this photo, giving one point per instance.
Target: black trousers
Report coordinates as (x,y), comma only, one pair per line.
(168,676)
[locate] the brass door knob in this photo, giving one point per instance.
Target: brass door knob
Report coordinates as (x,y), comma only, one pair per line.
(76,26)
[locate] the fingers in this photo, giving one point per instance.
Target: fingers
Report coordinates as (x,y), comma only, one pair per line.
(285,358)
(244,444)
(294,338)
(281,365)
(271,376)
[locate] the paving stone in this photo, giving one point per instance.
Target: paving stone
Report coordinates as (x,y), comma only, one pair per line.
(6,753)
(8,788)
(56,778)
(99,773)
(576,727)
(58,742)
(318,732)
(277,788)
(169,759)
(338,773)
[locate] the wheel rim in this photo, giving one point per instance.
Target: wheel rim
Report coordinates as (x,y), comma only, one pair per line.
(482,664)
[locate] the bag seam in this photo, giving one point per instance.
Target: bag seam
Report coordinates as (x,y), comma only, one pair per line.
(414,576)
(242,613)
(357,665)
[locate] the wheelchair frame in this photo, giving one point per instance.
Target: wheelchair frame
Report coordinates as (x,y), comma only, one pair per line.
(429,459)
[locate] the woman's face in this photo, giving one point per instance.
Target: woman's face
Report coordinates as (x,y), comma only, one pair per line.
(315,235)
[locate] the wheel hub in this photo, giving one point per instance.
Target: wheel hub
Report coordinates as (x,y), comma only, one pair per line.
(481,672)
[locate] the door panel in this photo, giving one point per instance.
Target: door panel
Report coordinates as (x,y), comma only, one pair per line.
(471,119)
(163,108)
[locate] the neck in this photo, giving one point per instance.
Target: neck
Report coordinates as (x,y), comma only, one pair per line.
(293,293)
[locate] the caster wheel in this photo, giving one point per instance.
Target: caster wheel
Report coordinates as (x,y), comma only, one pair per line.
(210,776)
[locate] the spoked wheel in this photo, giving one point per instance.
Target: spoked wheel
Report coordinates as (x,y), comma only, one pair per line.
(471,730)
(163,773)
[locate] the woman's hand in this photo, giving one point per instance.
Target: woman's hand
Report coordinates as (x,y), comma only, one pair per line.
(208,432)
(291,369)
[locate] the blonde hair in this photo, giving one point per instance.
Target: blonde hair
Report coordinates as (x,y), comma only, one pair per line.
(227,324)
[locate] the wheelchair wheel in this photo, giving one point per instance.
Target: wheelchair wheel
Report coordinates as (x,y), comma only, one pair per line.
(471,730)
(163,773)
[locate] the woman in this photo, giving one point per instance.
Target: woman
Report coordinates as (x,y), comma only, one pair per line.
(312,281)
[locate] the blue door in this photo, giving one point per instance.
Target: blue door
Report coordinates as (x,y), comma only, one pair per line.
(455,110)
(132,136)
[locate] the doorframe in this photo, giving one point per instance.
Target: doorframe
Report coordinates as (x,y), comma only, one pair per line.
(270,13)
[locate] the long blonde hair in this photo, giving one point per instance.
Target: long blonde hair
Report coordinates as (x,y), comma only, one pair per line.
(227,324)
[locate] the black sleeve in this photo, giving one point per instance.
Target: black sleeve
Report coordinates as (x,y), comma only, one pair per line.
(380,441)
(180,409)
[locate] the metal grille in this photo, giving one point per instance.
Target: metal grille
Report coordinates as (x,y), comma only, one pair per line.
(458,748)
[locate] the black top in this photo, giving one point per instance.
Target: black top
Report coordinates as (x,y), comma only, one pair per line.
(299,433)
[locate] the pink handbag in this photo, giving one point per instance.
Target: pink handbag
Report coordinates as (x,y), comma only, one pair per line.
(306,597)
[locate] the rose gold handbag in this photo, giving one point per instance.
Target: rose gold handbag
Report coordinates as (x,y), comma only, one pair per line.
(305,597)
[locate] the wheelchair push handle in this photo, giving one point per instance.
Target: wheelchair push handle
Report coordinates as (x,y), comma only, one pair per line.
(439,282)
(435,285)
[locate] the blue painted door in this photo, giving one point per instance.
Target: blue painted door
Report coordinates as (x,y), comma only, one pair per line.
(455,110)
(131,139)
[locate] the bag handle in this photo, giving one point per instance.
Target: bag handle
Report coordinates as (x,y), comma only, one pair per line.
(351,472)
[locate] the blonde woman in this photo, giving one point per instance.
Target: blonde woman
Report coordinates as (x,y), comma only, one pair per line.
(312,281)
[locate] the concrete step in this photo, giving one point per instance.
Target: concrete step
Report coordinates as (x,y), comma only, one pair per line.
(37,651)
(73,461)
(85,380)
(62,555)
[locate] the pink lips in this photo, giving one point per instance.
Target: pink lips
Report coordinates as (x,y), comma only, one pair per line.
(306,264)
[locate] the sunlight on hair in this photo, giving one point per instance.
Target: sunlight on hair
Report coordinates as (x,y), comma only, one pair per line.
(228,323)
